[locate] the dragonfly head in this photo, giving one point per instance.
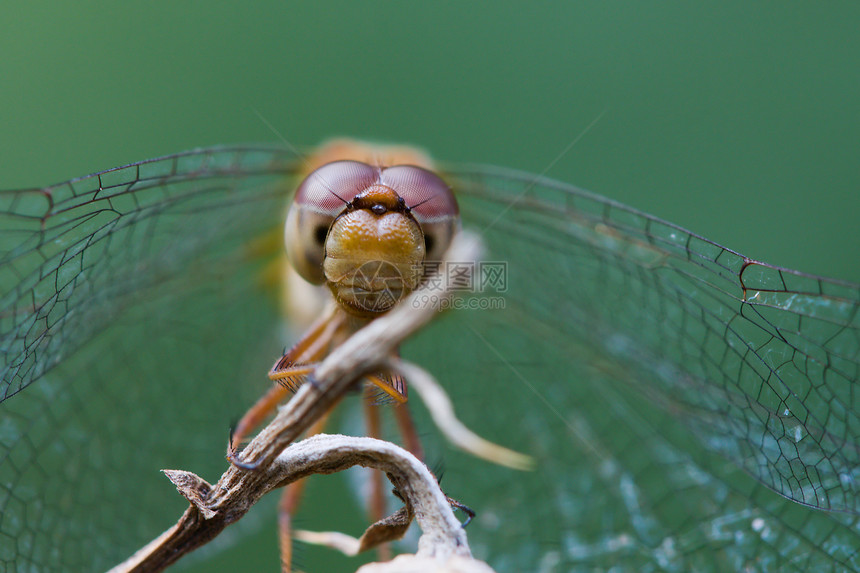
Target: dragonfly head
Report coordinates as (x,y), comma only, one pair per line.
(365,231)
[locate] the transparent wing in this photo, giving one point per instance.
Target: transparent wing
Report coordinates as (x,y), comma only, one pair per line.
(132,308)
(690,408)
(75,254)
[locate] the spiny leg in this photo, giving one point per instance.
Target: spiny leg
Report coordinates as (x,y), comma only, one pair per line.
(394,386)
(391,388)
(266,405)
(312,346)
(289,371)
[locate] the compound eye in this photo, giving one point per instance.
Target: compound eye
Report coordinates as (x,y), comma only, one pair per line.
(319,199)
(431,202)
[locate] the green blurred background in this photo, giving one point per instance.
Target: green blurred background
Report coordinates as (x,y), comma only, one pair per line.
(738,121)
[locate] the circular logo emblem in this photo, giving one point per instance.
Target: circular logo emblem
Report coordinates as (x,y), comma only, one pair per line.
(376,286)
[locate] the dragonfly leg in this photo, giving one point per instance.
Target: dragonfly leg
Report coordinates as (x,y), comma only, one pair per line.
(394,386)
(411,441)
(289,371)
(376,504)
(289,504)
(266,405)
(391,387)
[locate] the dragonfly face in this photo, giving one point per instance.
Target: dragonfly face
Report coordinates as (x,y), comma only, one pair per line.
(689,408)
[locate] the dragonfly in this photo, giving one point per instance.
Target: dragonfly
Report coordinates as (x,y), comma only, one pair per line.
(687,407)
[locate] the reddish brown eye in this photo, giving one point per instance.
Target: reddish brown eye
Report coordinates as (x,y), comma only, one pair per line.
(329,188)
(319,199)
(430,201)
(425,193)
